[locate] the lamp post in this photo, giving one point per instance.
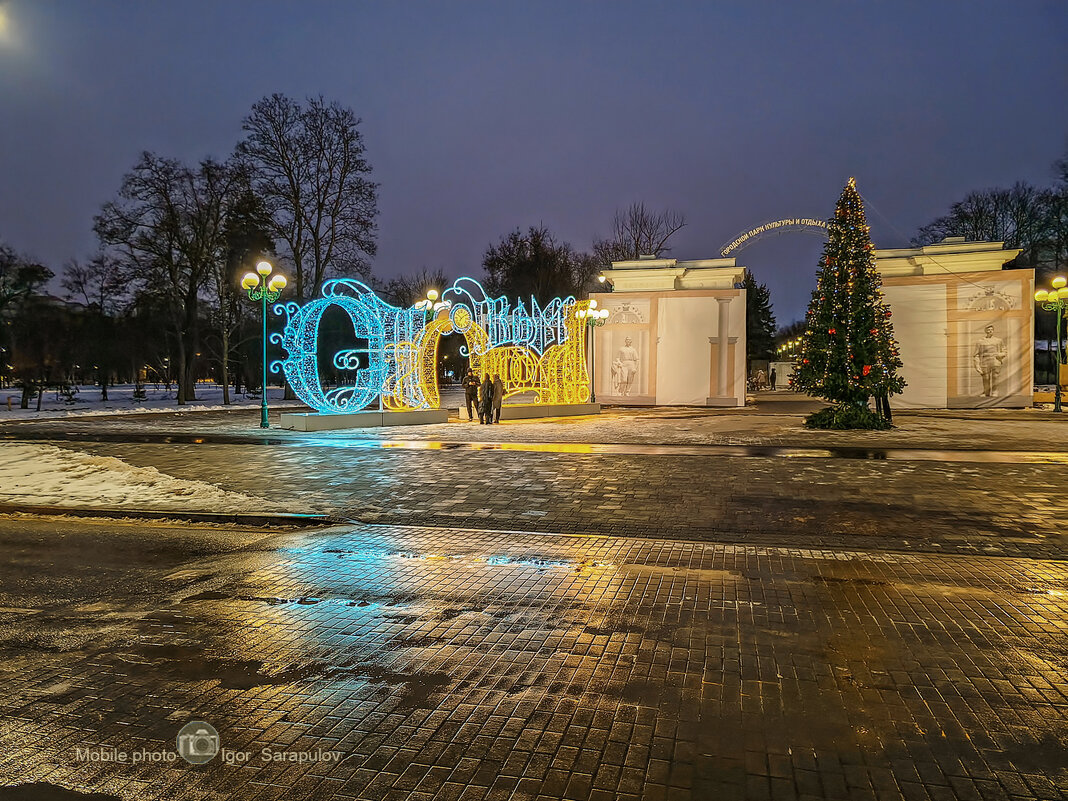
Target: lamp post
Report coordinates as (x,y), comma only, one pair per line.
(266,290)
(594,318)
(1055,300)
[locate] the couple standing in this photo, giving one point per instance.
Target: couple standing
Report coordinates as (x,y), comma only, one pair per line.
(485,397)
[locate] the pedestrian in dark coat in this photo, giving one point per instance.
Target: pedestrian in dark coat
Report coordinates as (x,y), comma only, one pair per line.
(471,393)
(498,397)
(485,400)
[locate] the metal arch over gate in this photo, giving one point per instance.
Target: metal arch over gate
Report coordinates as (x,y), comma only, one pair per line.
(746,238)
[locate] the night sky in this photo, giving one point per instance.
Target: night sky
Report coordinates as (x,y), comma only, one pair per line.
(481,117)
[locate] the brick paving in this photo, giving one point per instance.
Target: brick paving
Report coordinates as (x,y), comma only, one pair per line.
(557,624)
(935,506)
(774,421)
(450,663)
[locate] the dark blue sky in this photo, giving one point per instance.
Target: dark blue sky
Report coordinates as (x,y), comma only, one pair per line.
(483,116)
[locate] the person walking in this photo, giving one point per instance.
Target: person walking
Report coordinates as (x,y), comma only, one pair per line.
(498,397)
(485,401)
(772,378)
(471,393)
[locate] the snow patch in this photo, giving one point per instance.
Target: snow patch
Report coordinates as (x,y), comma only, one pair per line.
(50,476)
(87,403)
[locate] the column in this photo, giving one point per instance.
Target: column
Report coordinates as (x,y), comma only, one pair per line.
(724,339)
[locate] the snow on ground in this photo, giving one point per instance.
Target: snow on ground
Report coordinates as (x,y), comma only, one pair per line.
(47,475)
(87,402)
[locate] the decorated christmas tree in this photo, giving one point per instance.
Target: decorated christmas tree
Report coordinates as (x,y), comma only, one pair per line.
(848,352)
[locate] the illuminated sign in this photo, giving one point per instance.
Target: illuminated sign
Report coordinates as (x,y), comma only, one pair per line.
(802,223)
(541,350)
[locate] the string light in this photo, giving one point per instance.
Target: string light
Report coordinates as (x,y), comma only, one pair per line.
(541,351)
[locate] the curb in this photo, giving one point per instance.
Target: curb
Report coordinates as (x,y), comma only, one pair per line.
(252,520)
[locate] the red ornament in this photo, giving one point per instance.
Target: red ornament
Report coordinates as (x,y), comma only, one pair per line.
(867,369)
(804,361)
(830,330)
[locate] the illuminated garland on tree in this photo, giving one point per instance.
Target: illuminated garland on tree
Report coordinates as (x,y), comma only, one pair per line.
(848,351)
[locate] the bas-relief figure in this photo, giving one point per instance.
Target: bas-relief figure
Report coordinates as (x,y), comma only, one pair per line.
(988,356)
(625,368)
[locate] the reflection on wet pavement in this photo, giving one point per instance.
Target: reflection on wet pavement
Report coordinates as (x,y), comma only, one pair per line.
(446,661)
(348,441)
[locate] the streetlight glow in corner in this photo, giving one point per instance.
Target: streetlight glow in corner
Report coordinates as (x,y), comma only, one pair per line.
(1056,301)
(7,28)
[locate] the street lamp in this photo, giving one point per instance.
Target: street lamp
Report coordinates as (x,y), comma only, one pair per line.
(594,318)
(1055,300)
(265,290)
(431,303)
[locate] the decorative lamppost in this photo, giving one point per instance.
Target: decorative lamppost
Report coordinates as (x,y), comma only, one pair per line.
(260,288)
(594,319)
(431,304)
(1055,300)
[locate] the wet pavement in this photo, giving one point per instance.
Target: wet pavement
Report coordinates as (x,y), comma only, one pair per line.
(351,440)
(658,604)
(772,420)
(449,663)
(941,506)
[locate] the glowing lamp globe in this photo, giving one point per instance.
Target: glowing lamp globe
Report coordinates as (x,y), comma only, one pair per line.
(604,312)
(278,283)
(601,278)
(432,294)
(1053,294)
(593,304)
(1059,281)
(250,280)
(264,268)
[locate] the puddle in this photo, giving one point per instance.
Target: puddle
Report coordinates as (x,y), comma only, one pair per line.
(43,791)
(868,582)
(190,663)
(402,619)
(210,595)
(449,614)
(587,448)
(540,564)
(608,631)
(304,600)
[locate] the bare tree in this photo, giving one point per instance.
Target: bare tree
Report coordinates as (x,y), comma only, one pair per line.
(166,228)
(307,164)
(20,281)
(1019,217)
(636,231)
(246,233)
(404,290)
(100,284)
(534,264)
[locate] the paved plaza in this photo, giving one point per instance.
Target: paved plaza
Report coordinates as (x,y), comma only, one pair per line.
(744,610)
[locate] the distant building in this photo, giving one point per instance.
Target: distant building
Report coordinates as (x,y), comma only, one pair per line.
(965,325)
(675,334)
